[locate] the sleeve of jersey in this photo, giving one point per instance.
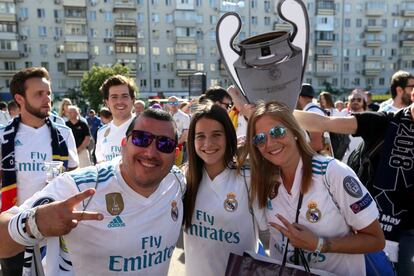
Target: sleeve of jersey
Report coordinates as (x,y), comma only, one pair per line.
(370,123)
(73,152)
(61,188)
(354,201)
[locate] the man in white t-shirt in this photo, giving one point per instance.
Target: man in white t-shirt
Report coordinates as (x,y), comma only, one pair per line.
(32,133)
(119,94)
(128,224)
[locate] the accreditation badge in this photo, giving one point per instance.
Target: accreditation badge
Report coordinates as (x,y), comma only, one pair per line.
(313,214)
(114,203)
(230,203)
(174,210)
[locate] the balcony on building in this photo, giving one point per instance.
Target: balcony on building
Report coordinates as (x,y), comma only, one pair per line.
(9,46)
(125,33)
(373,43)
(185,72)
(125,5)
(76,15)
(126,48)
(184,5)
(184,18)
(282,26)
(407,9)
(371,58)
(324,68)
(372,72)
(72,3)
(186,39)
(185,50)
(407,53)
(375,9)
(7,73)
(125,21)
(325,7)
(77,67)
(407,40)
(408,29)
(324,38)
(374,28)
(10,17)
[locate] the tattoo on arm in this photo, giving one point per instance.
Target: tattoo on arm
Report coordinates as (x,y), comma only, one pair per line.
(327,246)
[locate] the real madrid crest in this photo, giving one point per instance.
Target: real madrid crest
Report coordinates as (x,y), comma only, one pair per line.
(107,132)
(174,210)
(114,203)
(313,214)
(231,204)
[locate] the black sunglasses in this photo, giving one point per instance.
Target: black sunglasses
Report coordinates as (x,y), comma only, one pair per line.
(143,139)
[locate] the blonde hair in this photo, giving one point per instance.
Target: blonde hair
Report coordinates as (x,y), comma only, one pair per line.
(264,174)
(65,101)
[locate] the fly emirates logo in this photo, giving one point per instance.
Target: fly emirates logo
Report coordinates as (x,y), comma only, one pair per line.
(151,254)
(204,228)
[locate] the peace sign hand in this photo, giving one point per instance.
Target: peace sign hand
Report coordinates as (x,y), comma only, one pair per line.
(60,217)
(299,235)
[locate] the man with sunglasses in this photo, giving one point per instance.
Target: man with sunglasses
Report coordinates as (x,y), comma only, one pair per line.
(118,93)
(122,216)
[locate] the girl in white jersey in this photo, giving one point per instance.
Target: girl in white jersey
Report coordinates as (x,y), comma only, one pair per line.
(337,221)
(217,220)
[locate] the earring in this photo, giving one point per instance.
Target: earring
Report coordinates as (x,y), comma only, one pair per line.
(296,138)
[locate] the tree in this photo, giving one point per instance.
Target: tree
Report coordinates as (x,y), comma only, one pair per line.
(93,79)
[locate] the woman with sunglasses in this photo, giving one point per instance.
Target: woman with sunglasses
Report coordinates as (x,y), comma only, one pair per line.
(217,220)
(336,216)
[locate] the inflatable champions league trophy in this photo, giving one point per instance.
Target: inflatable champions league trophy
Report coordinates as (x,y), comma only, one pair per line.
(269,66)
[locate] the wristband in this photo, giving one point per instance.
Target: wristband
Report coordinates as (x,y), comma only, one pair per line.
(17,229)
(321,242)
(31,222)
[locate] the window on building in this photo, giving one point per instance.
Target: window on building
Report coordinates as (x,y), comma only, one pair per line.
(10,65)
(169,18)
(356,82)
(156,66)
(42,30)
(168,2)
(141,51)
(155,18)
(140,17)
(142,67)
(267,6)
(92,15)
(199,3)
(171,83)
(28,64)
(157,83)
(23,12)
(358,22)
(61,67)
(109,50)
(381,81)
(184,81)
(125,47)
(267,20)
(41,13)
(43,49)
(143,83)
(253,4)
(254,20)
(212,67)
(156,51)
(45,64)
(347,22)
(108,16)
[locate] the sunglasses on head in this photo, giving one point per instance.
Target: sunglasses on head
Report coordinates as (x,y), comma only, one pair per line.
(173,103)
(275,132)
(143,139)
(356,100)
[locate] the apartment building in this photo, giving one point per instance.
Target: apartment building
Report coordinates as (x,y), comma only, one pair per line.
(165,42)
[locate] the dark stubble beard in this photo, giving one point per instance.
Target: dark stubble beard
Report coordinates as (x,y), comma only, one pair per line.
(36,111)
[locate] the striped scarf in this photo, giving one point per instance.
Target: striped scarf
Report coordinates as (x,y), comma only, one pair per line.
(8,190)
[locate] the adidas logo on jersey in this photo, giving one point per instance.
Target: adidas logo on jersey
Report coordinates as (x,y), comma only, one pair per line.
(18,143)
(116,222)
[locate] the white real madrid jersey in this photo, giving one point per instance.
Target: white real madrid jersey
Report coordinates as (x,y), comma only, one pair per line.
(221,224)
(349,207)
(108,141)
(32,148)
(137,235)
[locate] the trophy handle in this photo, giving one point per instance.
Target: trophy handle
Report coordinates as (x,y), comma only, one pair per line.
(294,12)
(228,27)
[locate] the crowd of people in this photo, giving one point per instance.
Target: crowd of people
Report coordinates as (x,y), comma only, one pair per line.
(136,175)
